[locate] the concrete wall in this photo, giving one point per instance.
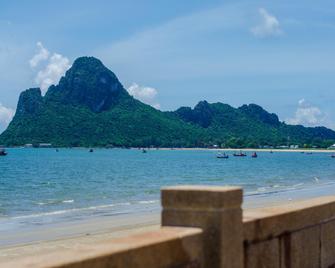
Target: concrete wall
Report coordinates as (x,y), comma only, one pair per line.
(300,234)
(204,227)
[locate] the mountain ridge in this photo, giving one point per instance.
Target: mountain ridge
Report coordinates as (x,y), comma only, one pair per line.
(90,107)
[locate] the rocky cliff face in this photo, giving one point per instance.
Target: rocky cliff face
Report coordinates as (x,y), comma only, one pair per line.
(257,112)
(88,82)
(30,102)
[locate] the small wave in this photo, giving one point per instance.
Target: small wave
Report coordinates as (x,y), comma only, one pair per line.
(148,202)
(54,202)
(297,185)
(261,189)
(59,212)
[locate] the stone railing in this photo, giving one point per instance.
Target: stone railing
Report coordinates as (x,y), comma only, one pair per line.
(203,227)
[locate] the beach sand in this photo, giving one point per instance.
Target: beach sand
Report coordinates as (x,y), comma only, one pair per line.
(74,235)
(49,238)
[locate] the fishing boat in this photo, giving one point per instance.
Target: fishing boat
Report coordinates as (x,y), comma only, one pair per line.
(91,150)
(240,154)
(254,155)
(3,152)
(223,156)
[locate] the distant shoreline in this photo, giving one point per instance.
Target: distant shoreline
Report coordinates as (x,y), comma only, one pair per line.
(301,150)
(255,150)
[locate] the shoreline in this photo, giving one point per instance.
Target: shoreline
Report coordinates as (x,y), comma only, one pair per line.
(40,240)
(252,150)
(300,150)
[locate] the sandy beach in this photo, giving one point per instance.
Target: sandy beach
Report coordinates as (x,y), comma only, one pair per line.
(74,235)
(99,230)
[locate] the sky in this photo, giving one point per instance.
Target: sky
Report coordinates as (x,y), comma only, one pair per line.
(278,54)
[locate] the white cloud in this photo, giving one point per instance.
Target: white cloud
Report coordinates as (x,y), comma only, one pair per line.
(41,55)
(56,68)
(308,115)
(53,69)
(144,94)
(268,26)
(6,115)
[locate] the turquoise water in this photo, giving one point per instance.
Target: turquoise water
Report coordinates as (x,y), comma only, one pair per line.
(39,186)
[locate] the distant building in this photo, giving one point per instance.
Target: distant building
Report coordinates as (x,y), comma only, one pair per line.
(45,145)
(332,147)
(294,146)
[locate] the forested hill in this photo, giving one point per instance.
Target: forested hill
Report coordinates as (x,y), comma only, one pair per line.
(90,107)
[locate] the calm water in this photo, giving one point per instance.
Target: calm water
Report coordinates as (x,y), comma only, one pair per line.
(40,186)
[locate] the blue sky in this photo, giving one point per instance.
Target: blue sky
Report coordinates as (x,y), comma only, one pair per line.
(279,54)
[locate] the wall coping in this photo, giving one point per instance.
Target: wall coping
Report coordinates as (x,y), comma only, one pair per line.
(201,197)
(269,222)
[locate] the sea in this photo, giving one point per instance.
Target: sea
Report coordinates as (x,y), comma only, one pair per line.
(45,186)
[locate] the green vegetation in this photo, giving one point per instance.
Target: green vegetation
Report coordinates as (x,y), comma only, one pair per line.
(90,107)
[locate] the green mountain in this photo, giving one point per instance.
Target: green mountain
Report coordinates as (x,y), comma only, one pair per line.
(90,107)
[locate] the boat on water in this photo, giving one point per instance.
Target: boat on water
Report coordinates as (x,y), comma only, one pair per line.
(3,152)
(254,155)
(223,156)
(91,150)
(240,154)
(333,156)
(144,151)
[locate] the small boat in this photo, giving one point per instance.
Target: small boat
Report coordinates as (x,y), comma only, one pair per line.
(91,150)
(240,154)
(144,151)
(223,156)
(254,155)
(309,153)
(271,152)
(333,156)
(3,152)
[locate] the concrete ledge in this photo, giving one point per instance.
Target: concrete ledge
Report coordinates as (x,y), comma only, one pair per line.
(201,197)
(167,247)
(265,223)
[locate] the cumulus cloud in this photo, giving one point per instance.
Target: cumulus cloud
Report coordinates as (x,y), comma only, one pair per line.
(308,115)
(144,94)
(268,26)
(41,55)
(54,70)
(54,67)
(6,115)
